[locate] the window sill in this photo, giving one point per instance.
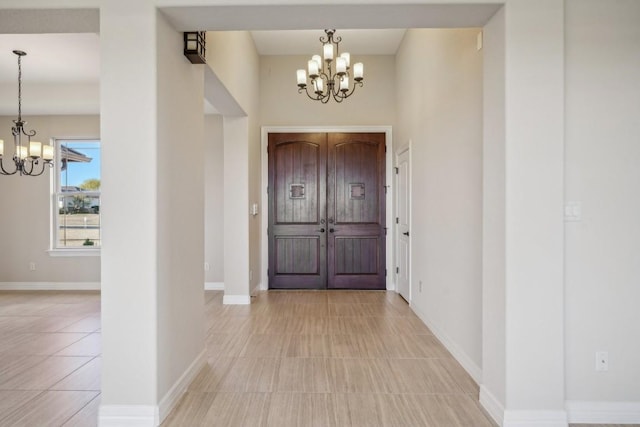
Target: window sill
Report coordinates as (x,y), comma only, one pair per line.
(73,252)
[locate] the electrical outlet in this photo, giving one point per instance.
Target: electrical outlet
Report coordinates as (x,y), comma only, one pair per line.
(206,266)
(602,361)
(573,211)
(32,266)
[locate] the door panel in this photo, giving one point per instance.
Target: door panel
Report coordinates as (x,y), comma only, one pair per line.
(297,205)
(297,166)
(355,255)
(403,252)
(355,211)
(297,255)
(327,211)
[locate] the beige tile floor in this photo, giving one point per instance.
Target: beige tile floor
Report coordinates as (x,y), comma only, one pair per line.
(49,358)
(305,358)
(290,359)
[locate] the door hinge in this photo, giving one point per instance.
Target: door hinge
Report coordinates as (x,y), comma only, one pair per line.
(385,231)
(397,170)
(385,272)
(385,148)
(397,270)
(397,220)
(267,189)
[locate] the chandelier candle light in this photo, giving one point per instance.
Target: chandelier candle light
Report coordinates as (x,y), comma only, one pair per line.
(329,81)
(30,157)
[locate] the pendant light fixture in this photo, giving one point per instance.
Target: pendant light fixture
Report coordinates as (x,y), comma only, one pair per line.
(30,158)
(330,75)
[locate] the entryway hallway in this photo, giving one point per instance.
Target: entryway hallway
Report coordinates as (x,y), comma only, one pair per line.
(325,358)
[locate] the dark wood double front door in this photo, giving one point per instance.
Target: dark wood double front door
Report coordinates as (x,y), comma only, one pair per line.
(327,211)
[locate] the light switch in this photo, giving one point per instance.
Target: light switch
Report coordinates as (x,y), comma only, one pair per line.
(254,209)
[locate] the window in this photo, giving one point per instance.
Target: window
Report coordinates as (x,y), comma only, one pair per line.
(76,199)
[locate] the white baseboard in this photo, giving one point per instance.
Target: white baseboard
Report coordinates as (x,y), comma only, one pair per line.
(128,416)
(214,286)
(169,401)
(535,419)
(236,300)
(150,415)
(49,286)
(459,354)
(492,405)
(603,412)
(577,412)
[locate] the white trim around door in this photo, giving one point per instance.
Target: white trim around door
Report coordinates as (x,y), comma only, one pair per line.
(266,130)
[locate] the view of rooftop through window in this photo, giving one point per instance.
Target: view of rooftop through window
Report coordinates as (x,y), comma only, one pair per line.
(81,163)
(78,194)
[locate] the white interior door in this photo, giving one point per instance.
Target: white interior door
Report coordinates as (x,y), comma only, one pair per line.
(403,223)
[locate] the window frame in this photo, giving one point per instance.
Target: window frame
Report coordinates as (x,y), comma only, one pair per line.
(56,191)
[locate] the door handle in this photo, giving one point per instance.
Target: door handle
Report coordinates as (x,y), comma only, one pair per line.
(331,230)
(321,230)
(406,233)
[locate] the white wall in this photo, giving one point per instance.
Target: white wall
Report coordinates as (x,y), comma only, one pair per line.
(534,157)
(128,96)
(153,253)
(492,391)
(214,199)
(602,173)
(180,205)
(282,105)
(233,58)
(523,369)
(439,81)
(237,264)
(51,98)
(255,170)
(25,230)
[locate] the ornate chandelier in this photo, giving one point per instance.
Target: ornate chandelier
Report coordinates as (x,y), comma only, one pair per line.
(329,78)
(29,157)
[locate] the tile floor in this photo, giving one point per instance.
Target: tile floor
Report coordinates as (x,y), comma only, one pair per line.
(310,358)
(49,358)
(290,359)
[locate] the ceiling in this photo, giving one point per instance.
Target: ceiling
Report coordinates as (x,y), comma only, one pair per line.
(75,58)
(306,42)
(72,59)
(67,49)
(51,58)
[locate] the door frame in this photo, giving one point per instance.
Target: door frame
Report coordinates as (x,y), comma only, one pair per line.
(264,161)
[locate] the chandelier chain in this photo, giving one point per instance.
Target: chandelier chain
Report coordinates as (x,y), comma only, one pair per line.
(19,88)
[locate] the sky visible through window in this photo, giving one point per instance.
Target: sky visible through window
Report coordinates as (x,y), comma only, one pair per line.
(78,172)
